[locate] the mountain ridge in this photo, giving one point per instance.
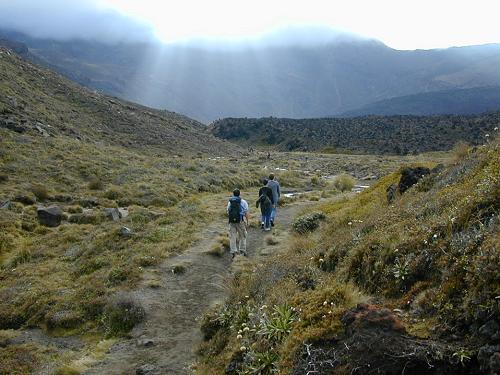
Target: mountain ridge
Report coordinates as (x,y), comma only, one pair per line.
(297,82)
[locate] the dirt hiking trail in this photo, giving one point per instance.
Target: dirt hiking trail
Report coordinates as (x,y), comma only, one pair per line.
(166,341)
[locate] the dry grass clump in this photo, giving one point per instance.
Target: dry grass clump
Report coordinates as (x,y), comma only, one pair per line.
(344,182)
(121,314)
(40,192)
(95,183)
(460,151)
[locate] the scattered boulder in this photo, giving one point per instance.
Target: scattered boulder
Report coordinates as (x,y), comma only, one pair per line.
(410,176)
(50,216)
(126,232)
(147,343)
(112,213)
(123,212)
(490,330)
(27,200)
(489,359)
(13,125)
(88,202)
(147,370)
(5,205)
(41,130)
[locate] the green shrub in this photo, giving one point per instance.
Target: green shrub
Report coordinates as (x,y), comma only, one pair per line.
(279,324)
(308,223)
(113,193)
(116,276)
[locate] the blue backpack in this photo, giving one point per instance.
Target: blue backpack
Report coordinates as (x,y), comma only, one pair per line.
(235,210)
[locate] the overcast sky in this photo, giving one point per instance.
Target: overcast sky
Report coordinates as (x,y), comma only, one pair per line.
(401,24)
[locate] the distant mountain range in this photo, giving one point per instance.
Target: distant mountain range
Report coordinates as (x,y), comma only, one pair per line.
(458,101)
(340,75)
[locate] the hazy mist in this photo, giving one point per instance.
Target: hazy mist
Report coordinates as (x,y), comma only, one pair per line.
(65,20)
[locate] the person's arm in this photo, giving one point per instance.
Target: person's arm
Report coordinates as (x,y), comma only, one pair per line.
(245,208)
(227,208)
(278,189)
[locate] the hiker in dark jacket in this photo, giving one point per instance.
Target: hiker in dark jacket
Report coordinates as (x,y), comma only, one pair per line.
(275,188)
(265,202)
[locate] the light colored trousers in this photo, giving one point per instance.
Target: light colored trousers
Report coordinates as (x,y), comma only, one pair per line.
(238,237)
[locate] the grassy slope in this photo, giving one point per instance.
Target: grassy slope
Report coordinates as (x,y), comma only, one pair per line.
(432,255)
(101,152)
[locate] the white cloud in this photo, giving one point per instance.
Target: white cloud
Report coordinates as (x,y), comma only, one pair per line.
(402,24)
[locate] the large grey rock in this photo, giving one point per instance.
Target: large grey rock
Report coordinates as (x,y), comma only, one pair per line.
(123,212)
(50,216)
(112,213)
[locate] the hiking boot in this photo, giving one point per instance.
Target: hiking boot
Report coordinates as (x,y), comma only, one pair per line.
(272,223)
(245,254)
(262,226)
(267,229)
(233,255)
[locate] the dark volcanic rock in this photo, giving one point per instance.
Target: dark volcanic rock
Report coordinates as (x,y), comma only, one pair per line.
(410,176)
(489,359)
(12,125)
(24,199)
(50,216)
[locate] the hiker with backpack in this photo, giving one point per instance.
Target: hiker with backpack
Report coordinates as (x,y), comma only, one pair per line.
(275,188)
(265,202)
(237,210)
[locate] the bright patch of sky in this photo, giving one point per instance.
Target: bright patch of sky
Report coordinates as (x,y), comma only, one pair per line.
(401,24)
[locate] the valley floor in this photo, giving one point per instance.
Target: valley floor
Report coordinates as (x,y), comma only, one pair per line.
(175,302)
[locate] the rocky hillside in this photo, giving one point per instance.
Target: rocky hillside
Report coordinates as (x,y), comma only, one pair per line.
(36,100)
(372,134)
(209,82)
(402,278)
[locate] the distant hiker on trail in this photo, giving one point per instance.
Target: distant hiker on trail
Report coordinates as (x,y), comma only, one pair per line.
(265,202)
(237,210)
(268,155)
(275,187)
